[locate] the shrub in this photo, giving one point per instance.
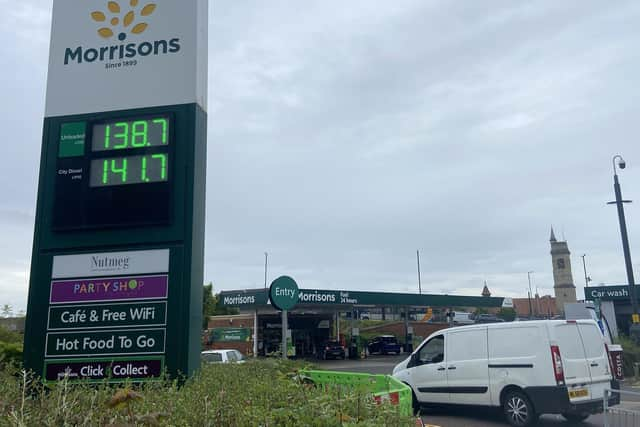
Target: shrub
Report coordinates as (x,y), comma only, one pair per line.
(10,336)
(10,353)
(264,392)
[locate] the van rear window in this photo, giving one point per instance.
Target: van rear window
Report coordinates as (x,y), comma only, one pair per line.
(592,340)
(569,341)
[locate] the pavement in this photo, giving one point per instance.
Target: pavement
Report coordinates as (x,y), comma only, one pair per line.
(480,416)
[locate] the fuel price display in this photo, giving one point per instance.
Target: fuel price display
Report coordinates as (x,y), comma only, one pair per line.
(128,170)
(127,162)
(121,135)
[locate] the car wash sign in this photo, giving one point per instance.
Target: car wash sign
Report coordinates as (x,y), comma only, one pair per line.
(117,263)
(607,293)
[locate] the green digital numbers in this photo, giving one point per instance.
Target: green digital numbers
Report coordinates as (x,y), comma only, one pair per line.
(163,165)
(110,169)
(165,124)
(121,135)
(139,134)
(129,170)
(147,165)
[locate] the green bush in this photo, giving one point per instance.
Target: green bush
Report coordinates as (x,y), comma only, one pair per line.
(10,336)
(264,392)
(10,353)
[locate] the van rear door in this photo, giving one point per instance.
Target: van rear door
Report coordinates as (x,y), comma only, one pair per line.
(574,361)
(597,359)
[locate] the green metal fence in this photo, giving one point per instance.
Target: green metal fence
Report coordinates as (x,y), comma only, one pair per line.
(383,388)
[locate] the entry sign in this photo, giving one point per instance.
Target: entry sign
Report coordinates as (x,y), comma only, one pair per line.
(116,278)
(284,293)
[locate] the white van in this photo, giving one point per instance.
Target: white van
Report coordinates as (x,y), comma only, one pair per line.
(462,318)
(527,368)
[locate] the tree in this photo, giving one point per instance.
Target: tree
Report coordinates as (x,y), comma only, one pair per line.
(6,310)
(208,304)
(212,305)
(507,313)
(481,310)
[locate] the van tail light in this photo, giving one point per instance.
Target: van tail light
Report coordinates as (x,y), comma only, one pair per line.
(611,364)
(558,371)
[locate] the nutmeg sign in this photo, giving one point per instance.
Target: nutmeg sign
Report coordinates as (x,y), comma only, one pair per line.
(117,263)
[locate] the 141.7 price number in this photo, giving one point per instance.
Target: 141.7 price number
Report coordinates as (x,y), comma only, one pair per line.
(142,169)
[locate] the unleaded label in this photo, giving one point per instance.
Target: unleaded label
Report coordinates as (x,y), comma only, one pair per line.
(72,137)
(108,289)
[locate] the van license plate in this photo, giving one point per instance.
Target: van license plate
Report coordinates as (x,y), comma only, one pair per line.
(578,392)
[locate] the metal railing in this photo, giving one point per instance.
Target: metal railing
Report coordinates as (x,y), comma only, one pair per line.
(626,413)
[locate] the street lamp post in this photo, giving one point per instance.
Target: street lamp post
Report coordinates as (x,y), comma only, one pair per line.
(634,329)
(419,280)
(266,255)
(587,279)
(530,305)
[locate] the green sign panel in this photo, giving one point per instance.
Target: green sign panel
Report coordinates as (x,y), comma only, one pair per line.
(112,369)
(230,335)
(72,137)
(283,293)
(111,343)
(107,315)
(608,293)
(259,297)
(118,247)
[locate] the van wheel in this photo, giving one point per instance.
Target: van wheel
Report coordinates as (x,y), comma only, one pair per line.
(518,409)
(575,418)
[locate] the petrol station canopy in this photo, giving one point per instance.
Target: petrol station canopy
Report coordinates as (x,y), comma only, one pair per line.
(254,298)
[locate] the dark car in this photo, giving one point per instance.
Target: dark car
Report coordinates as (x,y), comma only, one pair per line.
(488,318)
(332,349)
(384,344)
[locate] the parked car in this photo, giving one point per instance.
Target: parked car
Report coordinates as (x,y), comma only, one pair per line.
(488,318)
(332,349)
(222,356)
(384,344)
(536,367)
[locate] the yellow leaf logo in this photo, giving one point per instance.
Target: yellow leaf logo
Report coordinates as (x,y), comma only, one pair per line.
(119,20)
(139,28)
(148,9)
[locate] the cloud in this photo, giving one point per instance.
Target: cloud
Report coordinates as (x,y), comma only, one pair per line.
(345,136)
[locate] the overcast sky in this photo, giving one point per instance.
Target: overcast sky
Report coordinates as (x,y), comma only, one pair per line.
(344,136)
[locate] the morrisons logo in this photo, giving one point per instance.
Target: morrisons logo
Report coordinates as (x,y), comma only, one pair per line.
(123,21)
(239,300)
(121,51)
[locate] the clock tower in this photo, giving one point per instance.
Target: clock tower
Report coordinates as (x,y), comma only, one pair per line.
(563,287)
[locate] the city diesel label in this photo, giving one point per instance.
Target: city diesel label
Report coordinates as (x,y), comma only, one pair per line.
(60,344)
(108,315)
